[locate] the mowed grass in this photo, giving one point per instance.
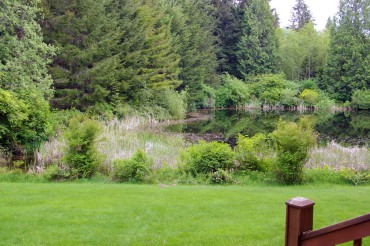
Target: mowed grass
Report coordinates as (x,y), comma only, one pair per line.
(121,214)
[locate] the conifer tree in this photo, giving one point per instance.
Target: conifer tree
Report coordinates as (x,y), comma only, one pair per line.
(192,27)
(301,15)
(24,57)
(349,59)
(76,27)
(257,47)
(229,16)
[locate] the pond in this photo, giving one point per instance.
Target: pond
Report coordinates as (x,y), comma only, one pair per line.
(347,128)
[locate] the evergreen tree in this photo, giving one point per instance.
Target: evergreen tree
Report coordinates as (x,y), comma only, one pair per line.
(257,46)
(78,29)
(229,16)
(301,15)
(25,85)
(192,27)
(24,57)
(349,59)
(146,51)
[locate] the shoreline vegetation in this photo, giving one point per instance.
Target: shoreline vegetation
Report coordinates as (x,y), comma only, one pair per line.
(163,158)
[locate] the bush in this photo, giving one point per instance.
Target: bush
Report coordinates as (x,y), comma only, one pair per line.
(24,121)
(253,153)
(174,102)
(81,153)
(310,97)
(273,89)
(136,169)
(324,101)
(208,157)
(233,93)
(55,173)
(361,99)
(323,175)
(308,84)
(166,174)
(222,177)
(292,143)
(355,176)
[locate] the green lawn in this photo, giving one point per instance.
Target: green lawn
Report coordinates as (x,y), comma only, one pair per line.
(114,214)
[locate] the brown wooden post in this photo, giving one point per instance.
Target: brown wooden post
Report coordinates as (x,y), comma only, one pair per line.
(357,242)
(299,219)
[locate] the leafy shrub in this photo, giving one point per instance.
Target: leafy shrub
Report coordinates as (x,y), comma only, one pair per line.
(292,143)
(208,157)
(222,177)
(289,97)
(273,89)
(174,102)
(233,93)
(309,96)
(17,175)
(324,101)
(355,176)
(308,84)
(81,153)
(205,98)
(166,174)
(136,169)
(323,175)
(55,173)
(24,121)
(361,99)
(253,153)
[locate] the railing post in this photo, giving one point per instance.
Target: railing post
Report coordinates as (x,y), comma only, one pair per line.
(299,218)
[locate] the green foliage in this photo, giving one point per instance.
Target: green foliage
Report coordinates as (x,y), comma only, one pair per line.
(23,54)
(348,62)
(303,53)
(56,173)
(308,84)
(81,154)
(257,45)
(254,154)
(355,176)
(207,157)
(301,15)
(324,101)
(17,175)
(292,142)
(24,121)
(272,89)
(174,102)
(136,169)
(361,99)
(222,177)
(233,93)
(323,176)
(310,97)
(192,26)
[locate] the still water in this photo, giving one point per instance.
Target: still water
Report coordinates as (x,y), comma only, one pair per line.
(347,128)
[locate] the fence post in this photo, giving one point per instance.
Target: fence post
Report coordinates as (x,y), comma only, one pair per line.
(299,218)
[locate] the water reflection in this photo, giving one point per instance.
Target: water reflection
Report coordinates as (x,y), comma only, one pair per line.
(346,128)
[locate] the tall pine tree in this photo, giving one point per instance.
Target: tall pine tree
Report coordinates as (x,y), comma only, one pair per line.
(257,46)
(349,59)
(301,15)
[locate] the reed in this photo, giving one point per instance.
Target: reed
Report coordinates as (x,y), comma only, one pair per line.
(120,139)
(335,157)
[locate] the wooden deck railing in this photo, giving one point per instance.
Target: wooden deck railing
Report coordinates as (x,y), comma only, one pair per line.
(299,221)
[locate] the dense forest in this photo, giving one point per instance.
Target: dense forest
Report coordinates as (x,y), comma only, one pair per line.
(168,57)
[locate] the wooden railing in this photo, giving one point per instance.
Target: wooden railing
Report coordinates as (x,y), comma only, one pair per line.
(299,221)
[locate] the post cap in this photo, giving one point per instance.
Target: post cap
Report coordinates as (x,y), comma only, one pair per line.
(299,202)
